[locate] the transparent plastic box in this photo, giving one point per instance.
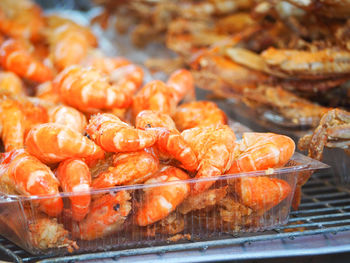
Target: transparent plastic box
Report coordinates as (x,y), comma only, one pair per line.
(220,211)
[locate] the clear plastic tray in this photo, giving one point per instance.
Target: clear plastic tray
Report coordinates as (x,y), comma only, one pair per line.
(23,223)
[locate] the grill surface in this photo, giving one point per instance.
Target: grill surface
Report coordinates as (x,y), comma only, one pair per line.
(324,212)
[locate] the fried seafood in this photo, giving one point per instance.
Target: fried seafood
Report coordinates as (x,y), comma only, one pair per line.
(48,92)
(332,131)
(24,174)
(21,19)
(68,116)
(214,147)
(119,70)
(11,83)
(293,108)
(198,113)
(154,18)
(229,215)
(14,57)
(260,151)
(113,135)
(107,216)
(169,144)
(17,117)
(149,119)
(74,177)
(128,168)
(221,75)
(232,211)
(307,65)
(182,83)
(159,201)
(12,125)
(69,42)
(186,37)
(156,96)
(52,143)
(171,225)
(45,233)
(291,64)
(35,112)
(87,90)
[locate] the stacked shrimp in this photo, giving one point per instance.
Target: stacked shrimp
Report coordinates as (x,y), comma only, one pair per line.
(93,125)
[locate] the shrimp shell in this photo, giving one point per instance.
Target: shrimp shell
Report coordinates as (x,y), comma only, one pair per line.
(113,135)
(160,201)
(88,90)
(25,174)
(74,176)
(52,143)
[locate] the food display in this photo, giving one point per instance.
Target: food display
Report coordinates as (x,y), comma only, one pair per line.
(95,158)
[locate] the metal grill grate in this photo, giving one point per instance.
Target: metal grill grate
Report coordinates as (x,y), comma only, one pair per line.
(325,208)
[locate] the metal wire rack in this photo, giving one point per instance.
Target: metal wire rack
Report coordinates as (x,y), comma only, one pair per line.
(324,211)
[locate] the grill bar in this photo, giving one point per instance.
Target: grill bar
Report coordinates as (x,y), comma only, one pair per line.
(335,222)
(194,246)
(318,210)
(307,218)
(331,202)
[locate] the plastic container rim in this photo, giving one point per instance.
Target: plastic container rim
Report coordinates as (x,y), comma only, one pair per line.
(305,164)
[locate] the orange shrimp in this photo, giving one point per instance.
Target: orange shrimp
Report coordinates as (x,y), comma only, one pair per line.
(11,83)
(113,135)
(18,117)
(128,168)
(25,174)
(154,119)
(170,144)
(107,216)
(15,57)
(74,176)
(68,41)
(261,193)
(130,72)
(260,151)
(48,92)
(88,90)
(182,83)
(21,19)
(160,201)
(52,143)
(35,113)
(214,148)
(198,113)
(12,122)
(118,69)
(68,116)
(155,95)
